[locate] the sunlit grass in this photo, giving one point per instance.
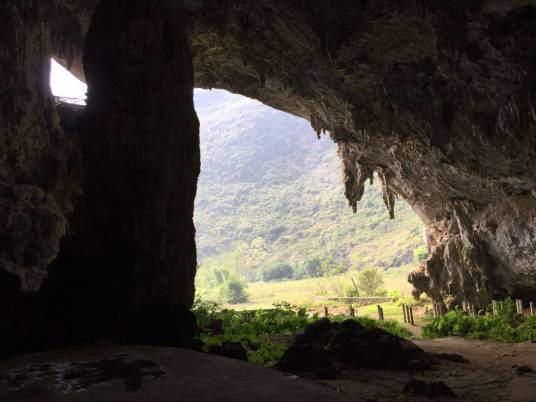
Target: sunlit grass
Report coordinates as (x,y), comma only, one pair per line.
(305,291)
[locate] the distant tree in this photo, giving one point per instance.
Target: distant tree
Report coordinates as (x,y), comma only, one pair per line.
(277,272)
(370,281)
(233,292)
(420,253)
(311,268)
(330,267)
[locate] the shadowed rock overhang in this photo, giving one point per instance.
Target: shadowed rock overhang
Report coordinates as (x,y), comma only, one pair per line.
(435,97)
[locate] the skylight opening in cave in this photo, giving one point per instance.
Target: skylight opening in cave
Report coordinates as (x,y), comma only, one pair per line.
(65,87)
(272,221)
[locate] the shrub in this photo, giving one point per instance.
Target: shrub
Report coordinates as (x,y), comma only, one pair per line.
(265,333)
(350,291)
(420,253)
(507,326)
(370,281)
(311,268)
(233,292)
(278,272)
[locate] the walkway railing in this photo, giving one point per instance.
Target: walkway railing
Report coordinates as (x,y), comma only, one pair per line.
(76,102)
(362,301)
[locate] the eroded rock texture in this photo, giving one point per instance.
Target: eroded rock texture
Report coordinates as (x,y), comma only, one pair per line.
(436,97)
(129,265)
(35,182)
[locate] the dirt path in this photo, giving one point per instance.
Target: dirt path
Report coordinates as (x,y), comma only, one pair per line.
(491,374)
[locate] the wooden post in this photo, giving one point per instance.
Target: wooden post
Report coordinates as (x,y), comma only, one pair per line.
(404,312)
(355,286)
(531,305)
(326,313)
(411,315)
(494,307)
(464,306)
(436,314)
(379,312)
(519,305)
(352,311)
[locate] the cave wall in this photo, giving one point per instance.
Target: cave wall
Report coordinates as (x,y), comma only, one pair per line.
(36,184)
(141,145)
(97,205)
(436,97)
(129,264)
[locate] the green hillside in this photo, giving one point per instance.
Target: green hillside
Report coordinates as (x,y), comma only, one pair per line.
(271,193)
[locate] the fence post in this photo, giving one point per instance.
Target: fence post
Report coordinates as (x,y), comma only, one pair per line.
(494,307)
(326,313)
(379,312)
(352,311)
(519,306)
(404,312)
(411,315)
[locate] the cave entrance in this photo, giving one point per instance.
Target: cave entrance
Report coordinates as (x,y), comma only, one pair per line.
(272,222)
(270,214)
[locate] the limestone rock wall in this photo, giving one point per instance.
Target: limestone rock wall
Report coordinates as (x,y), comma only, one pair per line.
(437,97)
(140,142)
(36,183)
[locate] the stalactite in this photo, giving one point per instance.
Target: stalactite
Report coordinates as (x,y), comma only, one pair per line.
(355,174)
(389,196)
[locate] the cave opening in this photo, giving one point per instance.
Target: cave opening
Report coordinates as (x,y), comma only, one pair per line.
(96,228)
(272,223)
(270,210)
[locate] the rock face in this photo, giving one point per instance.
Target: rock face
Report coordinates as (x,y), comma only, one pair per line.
(133,227)
(436,97)
(32,192)
(325,347)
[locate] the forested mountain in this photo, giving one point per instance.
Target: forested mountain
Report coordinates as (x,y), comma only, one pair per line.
(270,192)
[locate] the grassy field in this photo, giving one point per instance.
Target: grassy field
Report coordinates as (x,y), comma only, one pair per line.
(304,291)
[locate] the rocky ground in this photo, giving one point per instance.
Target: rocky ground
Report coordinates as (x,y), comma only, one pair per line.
(492,372)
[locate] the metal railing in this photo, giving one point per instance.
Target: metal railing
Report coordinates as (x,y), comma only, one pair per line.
(62,100)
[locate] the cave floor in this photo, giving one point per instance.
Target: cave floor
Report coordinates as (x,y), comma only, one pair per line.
(490,374)
(111,373)
(108,372)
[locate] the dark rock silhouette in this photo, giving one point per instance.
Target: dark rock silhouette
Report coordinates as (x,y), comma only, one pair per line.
(325,347)
(435,97)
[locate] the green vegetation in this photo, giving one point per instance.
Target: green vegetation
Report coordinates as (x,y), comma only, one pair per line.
(270,209)
(266,333)
(506,326)
(233,292)
(370,280)
(420,253)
